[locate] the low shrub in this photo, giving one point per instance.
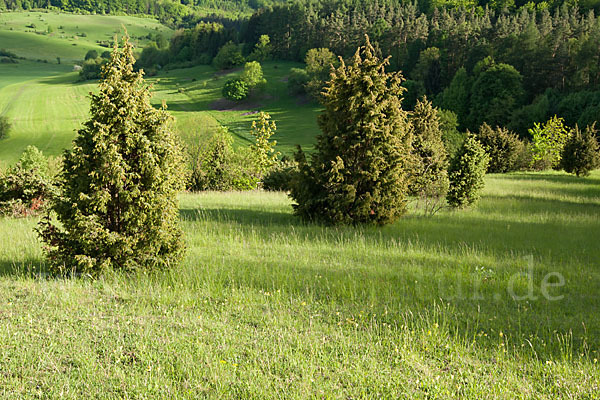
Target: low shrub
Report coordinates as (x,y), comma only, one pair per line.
(229,56)
(280,176)
(580,154)
(26,187)
(235,89)
(216,166)
(297,81)
(5,127)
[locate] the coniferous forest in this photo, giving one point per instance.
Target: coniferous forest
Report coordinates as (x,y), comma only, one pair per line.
(509,67)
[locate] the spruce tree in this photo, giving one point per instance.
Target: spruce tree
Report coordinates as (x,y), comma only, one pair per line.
(118,204)
(429,175)
(466,173)
(358,173)
(580,155)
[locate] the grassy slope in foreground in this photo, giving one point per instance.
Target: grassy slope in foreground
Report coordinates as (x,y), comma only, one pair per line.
(265,306)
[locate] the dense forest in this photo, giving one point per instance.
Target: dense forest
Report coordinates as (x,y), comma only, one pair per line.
(510,69)
(502,62)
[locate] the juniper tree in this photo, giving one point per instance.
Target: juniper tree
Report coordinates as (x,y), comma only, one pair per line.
(358,173)
(429,175)
(502,147)
(466,173)
(580,155)
(118,203)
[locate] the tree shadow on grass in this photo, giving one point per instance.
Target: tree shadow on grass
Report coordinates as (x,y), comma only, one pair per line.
(242,216)
(551,229)
(66,79)
(31,267)
(554,178)
(386,278)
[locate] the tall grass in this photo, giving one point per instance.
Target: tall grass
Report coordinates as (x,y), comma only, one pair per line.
(265,306)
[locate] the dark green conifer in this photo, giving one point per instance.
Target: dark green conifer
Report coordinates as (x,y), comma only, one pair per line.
(581,152)
(118,204)
(429,175)
(466,173)
(502,146)
(359,172)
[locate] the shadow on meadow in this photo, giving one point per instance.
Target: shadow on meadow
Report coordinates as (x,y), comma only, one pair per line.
(548,237)
(465,260)
(554,178)
(360,269)
(63,79)
(31,267)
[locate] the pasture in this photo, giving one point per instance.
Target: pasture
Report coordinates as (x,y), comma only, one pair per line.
(265,306)
(497,301)
(46,102)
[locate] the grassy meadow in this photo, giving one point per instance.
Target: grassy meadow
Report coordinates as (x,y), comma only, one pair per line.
(46,102)
(69,36)
(499,301)
(265,306)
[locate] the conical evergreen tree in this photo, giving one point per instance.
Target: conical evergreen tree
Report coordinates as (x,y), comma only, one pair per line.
(358,173)
(466,173)
(581,152)
(429,175)
(118,204)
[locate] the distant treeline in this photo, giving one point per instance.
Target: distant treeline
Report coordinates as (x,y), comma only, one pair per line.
(505,68)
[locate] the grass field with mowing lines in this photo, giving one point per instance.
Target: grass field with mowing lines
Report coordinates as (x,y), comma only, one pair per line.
(265,306)
(46,104)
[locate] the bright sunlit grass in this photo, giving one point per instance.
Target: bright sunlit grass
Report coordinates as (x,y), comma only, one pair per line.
(265,306)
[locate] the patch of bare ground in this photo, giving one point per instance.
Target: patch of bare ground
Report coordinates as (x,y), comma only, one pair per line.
(229,105)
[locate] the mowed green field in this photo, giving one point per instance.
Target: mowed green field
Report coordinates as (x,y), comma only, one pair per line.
(72,35)
(46,103)
(499,301)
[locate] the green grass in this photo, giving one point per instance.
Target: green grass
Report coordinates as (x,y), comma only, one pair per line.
(191,95)
(265,306)
(46,104)
(68,42)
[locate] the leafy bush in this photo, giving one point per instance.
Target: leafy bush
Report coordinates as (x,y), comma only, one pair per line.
(359,171)
(580,153)
(216,166)
(229,56)
(297,81)
(466,173)
(117,206)
(502,147)
(524,158)
(548,141)
(92,69)
(235,89)
(429,176)
(5,127)
(27,186)
(253,74)
(319,63)
(91,55)
(262,50)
